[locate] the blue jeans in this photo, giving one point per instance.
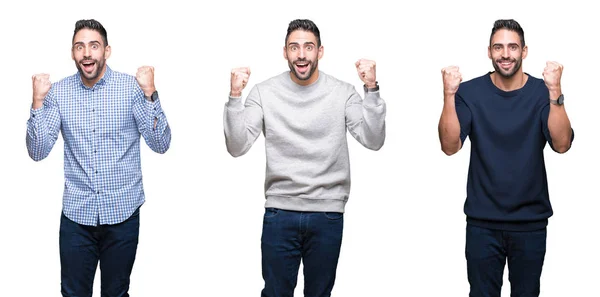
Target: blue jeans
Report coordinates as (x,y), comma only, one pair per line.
(81,247)
(289,237)
(488,250)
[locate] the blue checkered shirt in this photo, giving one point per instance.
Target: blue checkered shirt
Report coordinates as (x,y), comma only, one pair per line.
(101,128)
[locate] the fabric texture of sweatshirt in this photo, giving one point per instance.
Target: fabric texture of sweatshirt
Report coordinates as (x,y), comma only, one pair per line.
(308,167)
(507,187)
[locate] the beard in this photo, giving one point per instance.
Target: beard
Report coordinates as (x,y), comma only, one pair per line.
(91,76)
(507,73)
(312,66)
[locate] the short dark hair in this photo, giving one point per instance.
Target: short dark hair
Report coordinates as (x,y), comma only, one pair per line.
(92,25)
(304,25)
(511,25)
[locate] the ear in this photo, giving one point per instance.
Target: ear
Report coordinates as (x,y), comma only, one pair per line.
(107,52)
(321,52)
(285,52)
(524,52)
(490,52)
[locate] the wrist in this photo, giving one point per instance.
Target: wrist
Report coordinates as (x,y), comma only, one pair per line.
(37,104)
(449,95)
(554,93)
(371,87)
(235,94)
(152,96)
(149,91)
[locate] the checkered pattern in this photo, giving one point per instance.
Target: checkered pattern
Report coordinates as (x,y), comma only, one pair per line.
(101,128)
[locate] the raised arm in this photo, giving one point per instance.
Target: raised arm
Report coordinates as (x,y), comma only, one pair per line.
(559,126)
(449,127)
(365,119)
(43,125)
(242,122)
(151,120)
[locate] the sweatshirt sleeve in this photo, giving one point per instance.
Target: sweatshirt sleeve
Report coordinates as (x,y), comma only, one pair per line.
(242,122)
(365,119)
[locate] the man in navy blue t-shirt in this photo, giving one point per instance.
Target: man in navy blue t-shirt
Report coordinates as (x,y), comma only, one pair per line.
(509,116)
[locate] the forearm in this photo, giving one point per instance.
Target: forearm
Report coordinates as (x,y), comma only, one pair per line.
(449,127)
(237,135)
(371,130)
(156,132)
(37,138)
(559,125)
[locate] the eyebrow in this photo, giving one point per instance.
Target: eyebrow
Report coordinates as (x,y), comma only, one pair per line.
(81,42)
(306,43)
(512,43)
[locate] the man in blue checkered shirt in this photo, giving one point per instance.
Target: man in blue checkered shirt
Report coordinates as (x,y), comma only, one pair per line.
(101,114)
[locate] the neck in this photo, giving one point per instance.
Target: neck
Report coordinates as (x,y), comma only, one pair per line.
(512,83)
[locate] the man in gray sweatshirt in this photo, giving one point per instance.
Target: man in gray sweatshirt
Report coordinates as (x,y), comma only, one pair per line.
(304,114)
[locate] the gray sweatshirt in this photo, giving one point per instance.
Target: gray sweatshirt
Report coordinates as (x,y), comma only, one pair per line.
(308,168)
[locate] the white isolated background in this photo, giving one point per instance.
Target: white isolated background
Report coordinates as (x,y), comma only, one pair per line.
(201,225)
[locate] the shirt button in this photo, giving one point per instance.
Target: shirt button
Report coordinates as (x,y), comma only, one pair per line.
(98,192)
(96,171)
(94,151)
(94,130)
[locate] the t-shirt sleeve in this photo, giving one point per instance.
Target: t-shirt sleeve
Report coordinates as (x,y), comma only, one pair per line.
(464,117)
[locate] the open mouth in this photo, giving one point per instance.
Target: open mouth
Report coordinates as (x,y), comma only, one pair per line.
(88,65)
(302,66)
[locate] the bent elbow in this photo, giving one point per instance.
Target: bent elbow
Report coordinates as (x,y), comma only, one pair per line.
(449,151)
(36,157)
(234,153)
(376,146)
(561,149)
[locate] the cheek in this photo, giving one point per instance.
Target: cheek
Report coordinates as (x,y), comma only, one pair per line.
(291,56)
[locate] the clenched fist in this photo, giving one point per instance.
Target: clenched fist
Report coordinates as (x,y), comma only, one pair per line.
(145,78)
(239,80)
(366,72)
(452,79)
(552,74)
(41,87)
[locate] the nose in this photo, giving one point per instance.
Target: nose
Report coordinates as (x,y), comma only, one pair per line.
(505,53)
(301,53)
(87,51)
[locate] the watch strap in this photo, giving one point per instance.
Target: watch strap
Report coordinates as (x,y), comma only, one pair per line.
(375,89)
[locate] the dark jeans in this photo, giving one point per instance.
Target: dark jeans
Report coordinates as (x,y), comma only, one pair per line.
(289,237)
(488,250)
(81,247)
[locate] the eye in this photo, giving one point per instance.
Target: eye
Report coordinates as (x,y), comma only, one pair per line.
(497,47)
(95,46)
(294,48)
(309,48)
(513,47)
(79,47)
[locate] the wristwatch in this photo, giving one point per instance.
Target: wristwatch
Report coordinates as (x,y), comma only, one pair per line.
(559,101)
(375,89)
(154,96)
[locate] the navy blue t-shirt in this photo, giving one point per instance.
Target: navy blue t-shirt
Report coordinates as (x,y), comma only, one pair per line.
(507,188)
